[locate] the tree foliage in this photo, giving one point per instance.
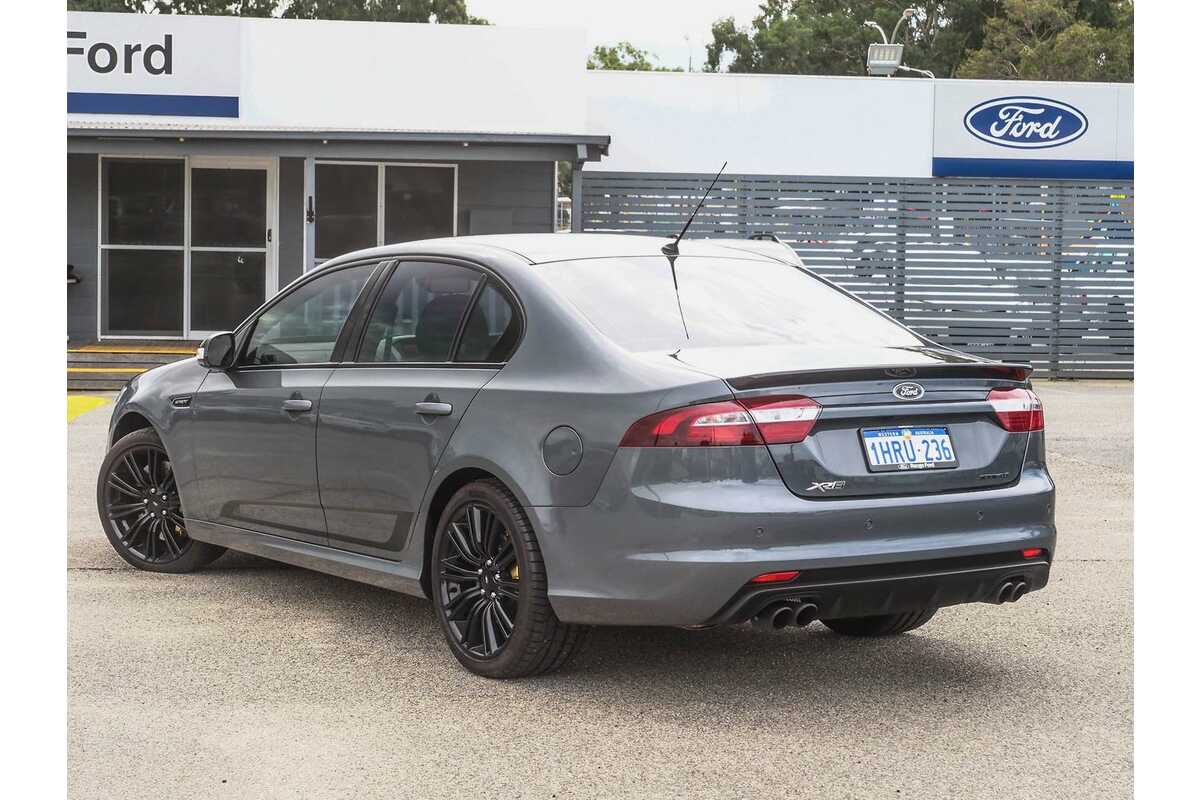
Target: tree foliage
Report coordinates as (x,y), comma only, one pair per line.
(624,55)
(1053,40)
(446,11)
(1030,39)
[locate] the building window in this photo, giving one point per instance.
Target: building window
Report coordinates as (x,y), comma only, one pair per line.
(142,246)
(361,204)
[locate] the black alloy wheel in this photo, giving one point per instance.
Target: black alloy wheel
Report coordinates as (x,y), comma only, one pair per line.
(489,587)
(479,580)
(139,505)
(142,502)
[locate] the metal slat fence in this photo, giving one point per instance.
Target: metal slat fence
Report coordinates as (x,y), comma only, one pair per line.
(1033,270)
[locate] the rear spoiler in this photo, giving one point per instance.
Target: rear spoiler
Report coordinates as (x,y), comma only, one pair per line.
(1017,373)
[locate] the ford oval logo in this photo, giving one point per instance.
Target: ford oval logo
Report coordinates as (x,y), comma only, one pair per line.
(908,391)
(1025,122)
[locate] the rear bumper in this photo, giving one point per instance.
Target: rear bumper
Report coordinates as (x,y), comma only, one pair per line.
(865,592)
(674,536)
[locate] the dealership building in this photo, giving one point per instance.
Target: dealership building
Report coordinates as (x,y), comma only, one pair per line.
(211,160)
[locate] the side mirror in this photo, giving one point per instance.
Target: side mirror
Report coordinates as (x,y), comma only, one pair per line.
(217,351)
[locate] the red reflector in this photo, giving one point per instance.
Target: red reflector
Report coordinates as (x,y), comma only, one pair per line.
(1032,552)
(775,577)
(1019,410)
(755,420)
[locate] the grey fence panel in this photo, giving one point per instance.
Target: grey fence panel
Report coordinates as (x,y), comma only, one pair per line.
(1030,270)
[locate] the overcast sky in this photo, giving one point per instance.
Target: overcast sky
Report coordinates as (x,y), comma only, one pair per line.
(658,26)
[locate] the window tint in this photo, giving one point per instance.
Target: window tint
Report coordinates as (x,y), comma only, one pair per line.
(347,208)
(417,315)
(303,327)
(724,303)
(492,329)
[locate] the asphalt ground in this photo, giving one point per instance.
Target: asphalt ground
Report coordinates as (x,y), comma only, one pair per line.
(256,680)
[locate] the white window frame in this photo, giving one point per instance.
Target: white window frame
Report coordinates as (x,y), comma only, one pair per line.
(271,267)
(311,260)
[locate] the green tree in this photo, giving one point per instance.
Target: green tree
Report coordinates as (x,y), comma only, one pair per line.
(223,8)
(1067,39)
(445,11)
(1056,40)
(624,55)
(448,11)
(827,37)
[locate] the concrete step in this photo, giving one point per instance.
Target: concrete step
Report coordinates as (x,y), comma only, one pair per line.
(107,366)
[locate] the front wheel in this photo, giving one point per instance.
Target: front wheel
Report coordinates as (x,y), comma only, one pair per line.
(139,508)
(882,625)
(488,582)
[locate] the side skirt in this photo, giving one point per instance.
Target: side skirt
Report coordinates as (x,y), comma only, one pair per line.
(398,576)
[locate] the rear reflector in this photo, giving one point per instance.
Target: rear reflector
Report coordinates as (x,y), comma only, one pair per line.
(1032,552)
(776,577)
(756,420)
(1018,410)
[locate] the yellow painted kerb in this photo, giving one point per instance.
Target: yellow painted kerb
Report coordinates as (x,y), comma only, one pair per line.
(82,403)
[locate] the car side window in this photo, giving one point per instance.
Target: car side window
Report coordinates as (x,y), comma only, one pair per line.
(303,327)
(418,313)
(492,330)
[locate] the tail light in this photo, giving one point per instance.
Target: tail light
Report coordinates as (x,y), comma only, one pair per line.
(756,420)
(1019,410)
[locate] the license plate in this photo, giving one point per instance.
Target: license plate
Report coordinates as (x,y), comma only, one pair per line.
(908,448)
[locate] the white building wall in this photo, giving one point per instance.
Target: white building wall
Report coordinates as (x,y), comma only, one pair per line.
(802,125)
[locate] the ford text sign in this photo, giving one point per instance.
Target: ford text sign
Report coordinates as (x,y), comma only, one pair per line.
(1025,122)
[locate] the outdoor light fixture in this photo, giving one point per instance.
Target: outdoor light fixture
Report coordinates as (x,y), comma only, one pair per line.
(887,56)
(884,59)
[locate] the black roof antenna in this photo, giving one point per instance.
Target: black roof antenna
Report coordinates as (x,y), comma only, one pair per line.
(672,248)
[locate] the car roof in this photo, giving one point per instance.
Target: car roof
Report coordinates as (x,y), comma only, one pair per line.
(545,248)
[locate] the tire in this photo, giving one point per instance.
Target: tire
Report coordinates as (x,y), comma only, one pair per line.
(146,527)
(882,625)
(484,528)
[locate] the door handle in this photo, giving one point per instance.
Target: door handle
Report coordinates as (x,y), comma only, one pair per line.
(434,409)
(295,406)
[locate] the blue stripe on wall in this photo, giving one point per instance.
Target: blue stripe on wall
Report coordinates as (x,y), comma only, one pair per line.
(173,105)
(1030,168)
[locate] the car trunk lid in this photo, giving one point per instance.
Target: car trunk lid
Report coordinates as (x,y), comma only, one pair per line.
(866,389)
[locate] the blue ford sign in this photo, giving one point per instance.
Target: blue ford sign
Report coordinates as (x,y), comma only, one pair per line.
(1025,122)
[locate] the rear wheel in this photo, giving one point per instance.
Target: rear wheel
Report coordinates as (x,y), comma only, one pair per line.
(882,625)
(139,506)
(489,587)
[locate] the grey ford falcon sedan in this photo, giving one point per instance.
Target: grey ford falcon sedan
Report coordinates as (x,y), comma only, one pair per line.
(541,433)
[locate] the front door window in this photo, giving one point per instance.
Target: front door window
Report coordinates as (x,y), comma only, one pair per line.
(303,327)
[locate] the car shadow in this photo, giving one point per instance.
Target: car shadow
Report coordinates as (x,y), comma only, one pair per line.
(722,670)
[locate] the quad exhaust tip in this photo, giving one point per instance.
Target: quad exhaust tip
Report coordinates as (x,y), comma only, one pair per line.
(778,616)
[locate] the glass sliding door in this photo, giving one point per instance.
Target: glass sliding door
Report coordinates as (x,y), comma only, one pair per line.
(367,204)
(418,203)
(347,208)
(185,244)
(142,248)
(230,237)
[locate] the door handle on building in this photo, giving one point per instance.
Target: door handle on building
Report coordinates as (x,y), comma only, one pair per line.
(434,409)
(295,406)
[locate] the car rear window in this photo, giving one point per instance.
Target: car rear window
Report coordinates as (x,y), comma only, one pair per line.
(721,302)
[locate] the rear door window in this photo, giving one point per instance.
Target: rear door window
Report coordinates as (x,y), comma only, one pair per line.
(492,329)
(417,316)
